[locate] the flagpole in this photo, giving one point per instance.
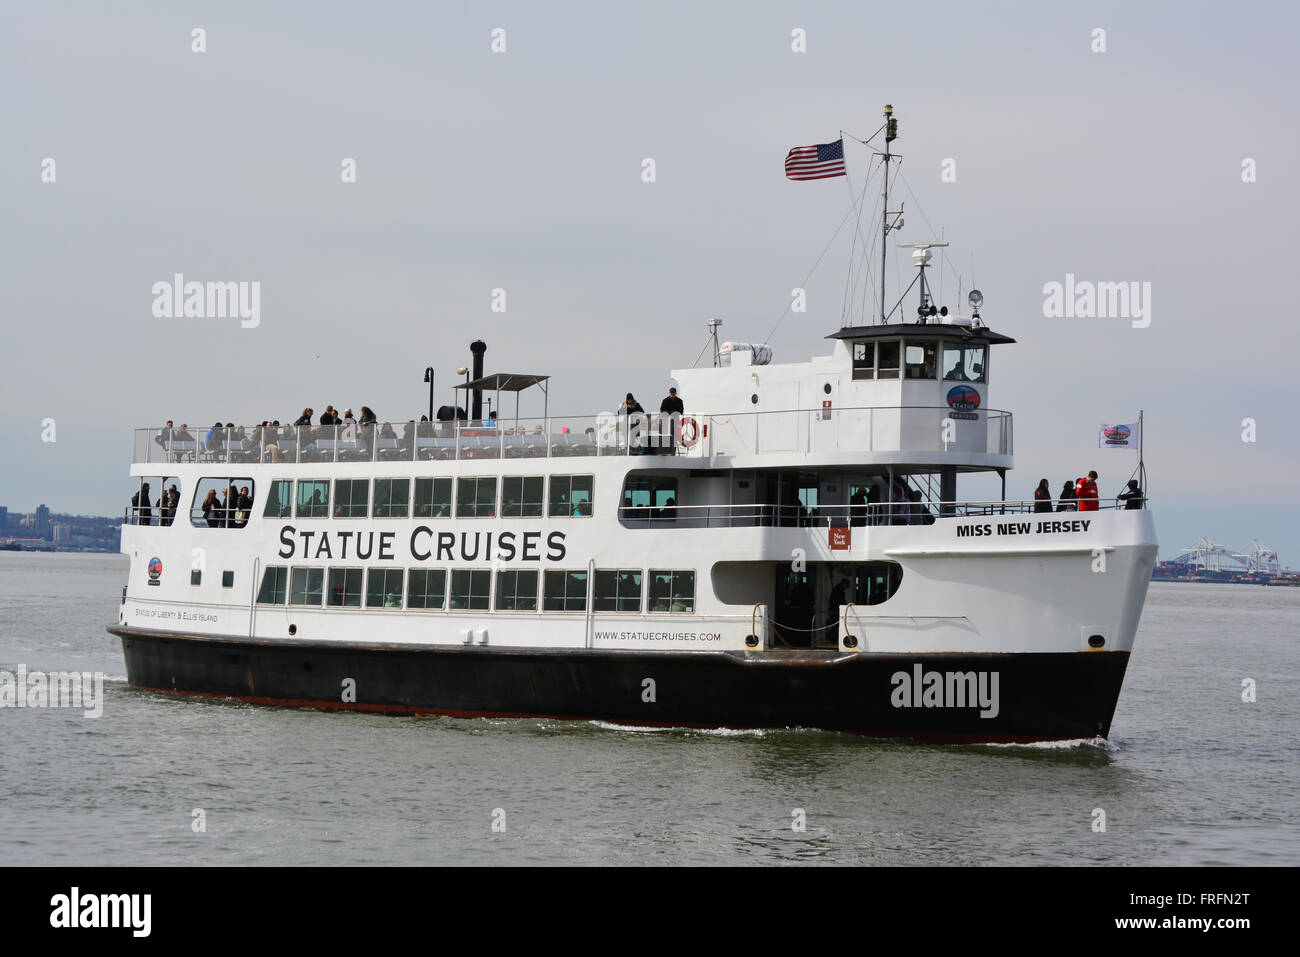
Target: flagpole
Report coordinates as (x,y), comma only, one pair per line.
(1142,438)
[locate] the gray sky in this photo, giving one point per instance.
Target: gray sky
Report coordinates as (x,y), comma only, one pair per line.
(522,170)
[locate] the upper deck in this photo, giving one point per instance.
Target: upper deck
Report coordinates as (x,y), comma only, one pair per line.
(908,394)
(912,435)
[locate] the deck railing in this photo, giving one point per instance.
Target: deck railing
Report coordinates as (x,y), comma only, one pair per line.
(730,516)
(919,429)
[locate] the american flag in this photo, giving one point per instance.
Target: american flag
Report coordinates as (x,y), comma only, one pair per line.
(815,162)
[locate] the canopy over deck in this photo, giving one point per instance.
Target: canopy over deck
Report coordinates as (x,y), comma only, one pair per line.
(515,382)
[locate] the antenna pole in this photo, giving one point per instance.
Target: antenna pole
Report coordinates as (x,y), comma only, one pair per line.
(891,131)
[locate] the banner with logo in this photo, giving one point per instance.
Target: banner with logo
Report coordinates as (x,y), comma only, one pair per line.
(1118,436)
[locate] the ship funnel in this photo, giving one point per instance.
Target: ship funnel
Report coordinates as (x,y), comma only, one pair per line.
(477,347)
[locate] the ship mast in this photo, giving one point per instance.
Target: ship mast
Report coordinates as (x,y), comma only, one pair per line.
(891,133)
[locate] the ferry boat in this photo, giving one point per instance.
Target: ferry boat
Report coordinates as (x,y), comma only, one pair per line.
(788,550)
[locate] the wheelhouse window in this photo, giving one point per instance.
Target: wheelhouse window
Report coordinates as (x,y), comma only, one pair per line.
(344,588)
(392,497)
(476,497)
(617,589)
(517,590)
(887,359)
(384,588)
(427,588)
(275,583)
(469,588)
(566,590)
(350,497)
(306,586)
(672,591)
(964,363)
(864,360)
(521,496)
(279,501)
(570,496)
(432,497)
(313,499)
(920,360)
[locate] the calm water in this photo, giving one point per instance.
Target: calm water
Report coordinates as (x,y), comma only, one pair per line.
(1192,775)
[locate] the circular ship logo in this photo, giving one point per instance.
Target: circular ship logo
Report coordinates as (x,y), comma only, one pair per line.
(963,400)
(155,570)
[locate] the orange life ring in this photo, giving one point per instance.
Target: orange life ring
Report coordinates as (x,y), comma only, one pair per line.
(688,438)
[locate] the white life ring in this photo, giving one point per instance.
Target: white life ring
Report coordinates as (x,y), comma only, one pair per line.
(688,431)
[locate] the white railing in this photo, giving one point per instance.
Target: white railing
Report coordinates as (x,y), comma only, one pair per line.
(897,429)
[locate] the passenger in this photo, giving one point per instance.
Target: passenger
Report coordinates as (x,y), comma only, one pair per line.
(673,408)
(873,505)
(669,512)
(329,421)
(1086,492)
(210,509)
(183,434)
(839,596)
(858,507)
(164,515)
(164,436)
(1133,497)
(140,506)
(267,440)
(245,506)
(214,442)
(302,430)
(232,506)
(917,514)
(173,503)
(635,415)
(1042,497)
(367,416)
(1068,502)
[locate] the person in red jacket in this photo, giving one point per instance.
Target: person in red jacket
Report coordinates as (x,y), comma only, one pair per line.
(1086,491)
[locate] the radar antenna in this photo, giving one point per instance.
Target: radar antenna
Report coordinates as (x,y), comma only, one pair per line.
(921,257)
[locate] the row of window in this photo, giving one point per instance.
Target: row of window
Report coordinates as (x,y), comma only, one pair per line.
(522,496)
(880,360)
(562,590)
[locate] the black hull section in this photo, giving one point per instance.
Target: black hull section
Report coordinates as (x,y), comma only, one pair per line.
(1038,697)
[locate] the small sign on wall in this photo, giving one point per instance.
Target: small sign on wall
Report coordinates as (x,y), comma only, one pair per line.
(826,408)
(840,538)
